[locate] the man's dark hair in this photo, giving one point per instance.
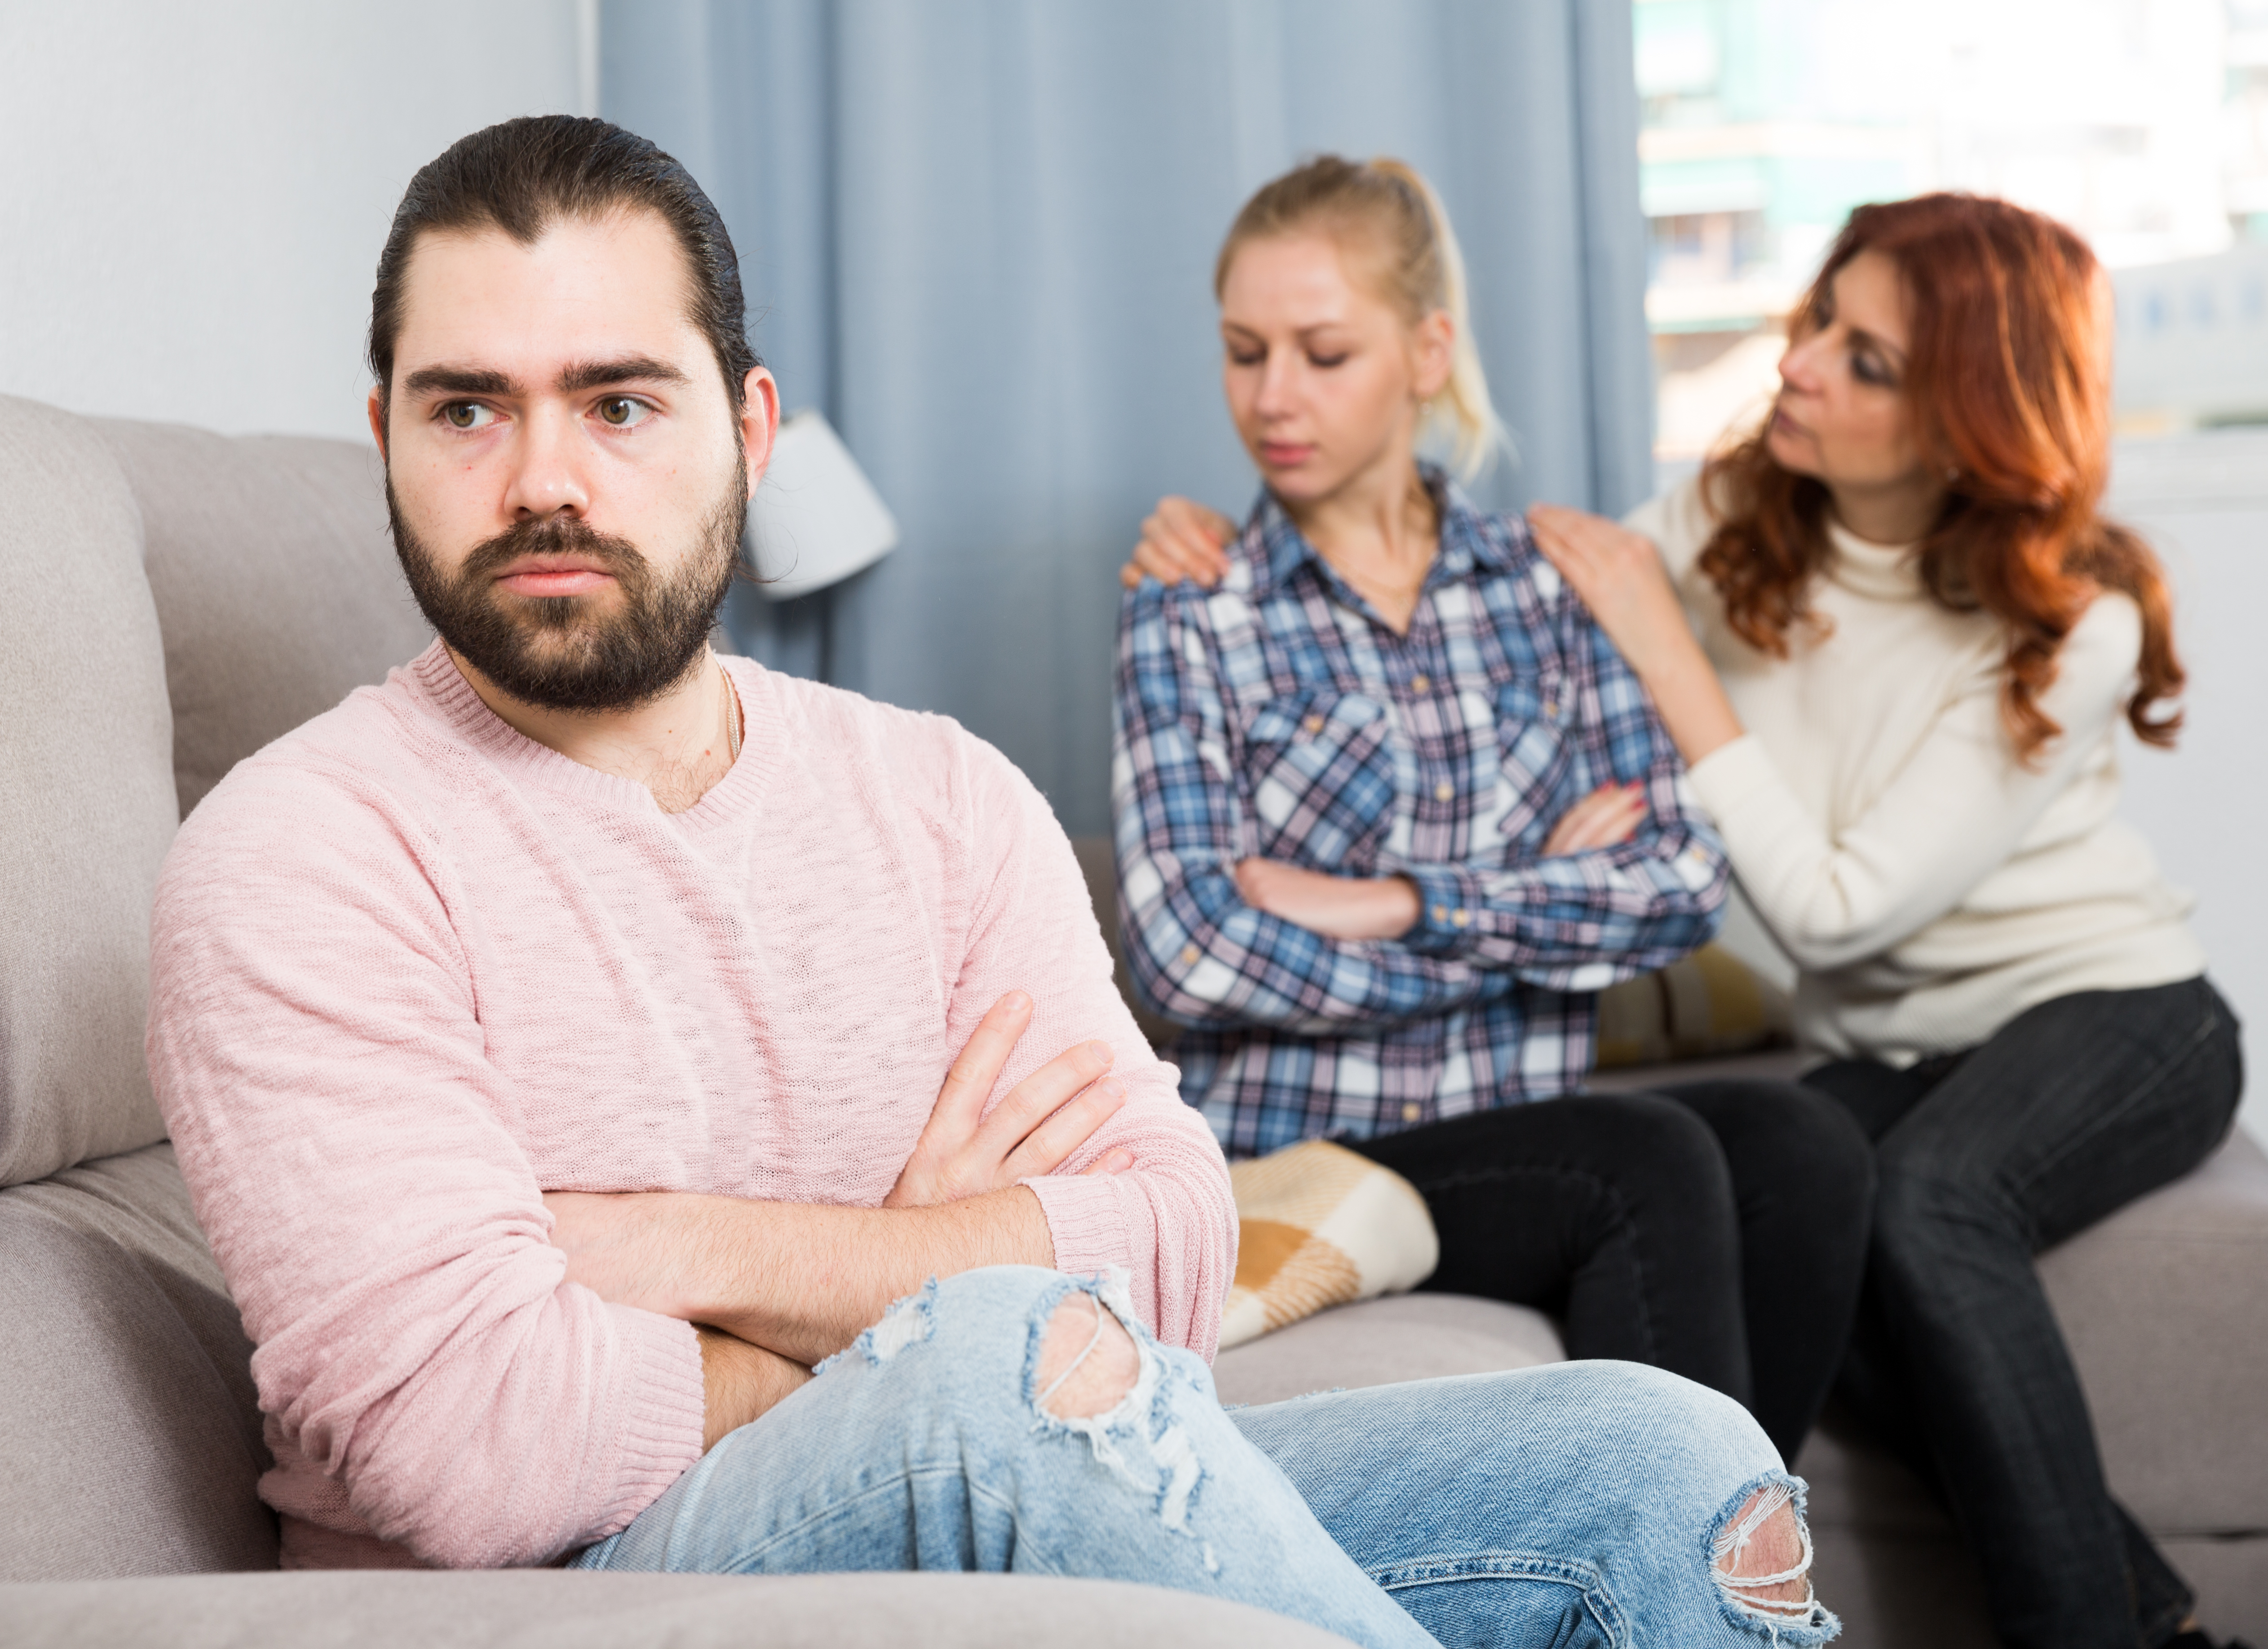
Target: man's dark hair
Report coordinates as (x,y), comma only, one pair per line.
(524,176)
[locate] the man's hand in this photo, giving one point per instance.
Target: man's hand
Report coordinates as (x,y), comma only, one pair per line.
(739,1382)
(963,1152)
(1338,908)
(627,1247)
(1180,539)
(1610,814)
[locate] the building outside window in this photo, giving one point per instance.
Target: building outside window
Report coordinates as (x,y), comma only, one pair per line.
(2142,123)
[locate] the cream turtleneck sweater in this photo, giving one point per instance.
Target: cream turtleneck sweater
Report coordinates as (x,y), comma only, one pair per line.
(1928,886)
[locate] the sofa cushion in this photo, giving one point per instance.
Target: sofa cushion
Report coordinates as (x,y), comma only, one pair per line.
(86,798)
(275,580)
(1700,1006)
(1380,1341)
(2165,1305)
(555,1609)
(129,1438)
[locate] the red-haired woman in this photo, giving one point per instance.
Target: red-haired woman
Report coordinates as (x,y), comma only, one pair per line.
(1893,639)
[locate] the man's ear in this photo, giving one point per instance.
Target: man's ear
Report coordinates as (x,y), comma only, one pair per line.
(760,419)
(376,409)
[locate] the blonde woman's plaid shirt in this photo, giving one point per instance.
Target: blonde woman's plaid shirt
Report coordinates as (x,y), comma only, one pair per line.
(1277,715)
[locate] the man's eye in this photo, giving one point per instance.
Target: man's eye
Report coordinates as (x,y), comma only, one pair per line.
(466,415)
(622,411)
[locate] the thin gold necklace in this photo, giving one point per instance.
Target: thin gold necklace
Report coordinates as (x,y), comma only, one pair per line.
(732,709)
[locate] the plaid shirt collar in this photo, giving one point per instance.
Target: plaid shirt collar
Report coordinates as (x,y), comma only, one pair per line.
(1279,550)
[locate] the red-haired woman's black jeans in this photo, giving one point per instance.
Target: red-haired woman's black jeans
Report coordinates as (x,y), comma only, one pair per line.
(2073,1110)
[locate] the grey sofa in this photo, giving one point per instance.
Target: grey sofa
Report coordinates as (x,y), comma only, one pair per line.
(174,599)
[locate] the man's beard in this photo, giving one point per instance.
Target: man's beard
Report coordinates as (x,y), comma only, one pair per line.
(563,652)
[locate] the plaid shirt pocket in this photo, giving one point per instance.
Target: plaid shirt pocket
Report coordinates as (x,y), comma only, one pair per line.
(1532,760)
(1319,774)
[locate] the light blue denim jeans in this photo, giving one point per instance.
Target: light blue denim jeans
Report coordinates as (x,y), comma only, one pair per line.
(1585,1503)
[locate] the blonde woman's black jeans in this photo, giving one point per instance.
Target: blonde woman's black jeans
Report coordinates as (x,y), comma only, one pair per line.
(1717,1230)
(2073,1110)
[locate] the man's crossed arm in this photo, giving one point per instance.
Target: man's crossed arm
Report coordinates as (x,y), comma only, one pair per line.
(775,1287)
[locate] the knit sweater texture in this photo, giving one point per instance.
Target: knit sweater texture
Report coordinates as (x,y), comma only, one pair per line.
(1929,885)
(411,970)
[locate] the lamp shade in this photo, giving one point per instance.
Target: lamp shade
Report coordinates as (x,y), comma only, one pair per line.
(815,519)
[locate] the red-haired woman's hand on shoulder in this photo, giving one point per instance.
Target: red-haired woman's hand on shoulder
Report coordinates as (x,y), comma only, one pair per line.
(1619,576)
(1180,539)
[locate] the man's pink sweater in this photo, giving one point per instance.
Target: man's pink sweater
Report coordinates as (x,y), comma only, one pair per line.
(410,970)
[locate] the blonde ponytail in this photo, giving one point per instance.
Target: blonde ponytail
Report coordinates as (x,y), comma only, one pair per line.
(1386,208)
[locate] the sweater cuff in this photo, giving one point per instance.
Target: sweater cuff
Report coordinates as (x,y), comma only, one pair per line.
(1083,1222)
(1730,775)
(661,1430)
(1449,904)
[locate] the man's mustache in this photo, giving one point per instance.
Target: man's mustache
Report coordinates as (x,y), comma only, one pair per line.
(553,535)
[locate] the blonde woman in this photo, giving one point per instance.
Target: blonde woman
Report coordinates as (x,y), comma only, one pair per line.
(1391,811)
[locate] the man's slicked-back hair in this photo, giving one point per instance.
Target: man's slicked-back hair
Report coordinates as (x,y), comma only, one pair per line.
(523,176)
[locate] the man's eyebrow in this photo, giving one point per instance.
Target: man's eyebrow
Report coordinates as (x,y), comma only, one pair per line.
(628,369)
(481,381)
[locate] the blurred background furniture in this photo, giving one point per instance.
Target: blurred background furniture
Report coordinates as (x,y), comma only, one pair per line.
(177,599)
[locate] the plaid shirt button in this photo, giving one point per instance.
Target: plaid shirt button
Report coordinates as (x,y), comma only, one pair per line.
(1445,791)
(1461,918)
(1421,683)
(1190,954)
(1411,1111)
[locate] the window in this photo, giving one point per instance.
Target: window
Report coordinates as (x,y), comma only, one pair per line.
(2142,123)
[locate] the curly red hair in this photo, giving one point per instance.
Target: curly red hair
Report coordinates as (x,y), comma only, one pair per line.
(2008,378)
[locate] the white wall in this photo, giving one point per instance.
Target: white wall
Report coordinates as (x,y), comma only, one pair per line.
(192,196)
(2203,500)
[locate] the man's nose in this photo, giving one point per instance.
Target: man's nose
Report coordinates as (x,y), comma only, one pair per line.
(546,473)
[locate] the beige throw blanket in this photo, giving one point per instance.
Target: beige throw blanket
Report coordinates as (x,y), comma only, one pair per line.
(1318,1226)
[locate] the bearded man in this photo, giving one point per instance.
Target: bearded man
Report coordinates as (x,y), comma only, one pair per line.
(575,1045)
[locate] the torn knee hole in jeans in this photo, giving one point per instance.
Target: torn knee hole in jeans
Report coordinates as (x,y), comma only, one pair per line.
(1091,1374)
(1761,1558)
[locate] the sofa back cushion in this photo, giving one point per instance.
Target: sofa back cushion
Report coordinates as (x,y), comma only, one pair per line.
(275,581)
(129,1432)
(86,798)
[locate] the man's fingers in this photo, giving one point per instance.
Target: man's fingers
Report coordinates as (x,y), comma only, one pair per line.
(1116,1160)
(976,1072)
(1040,1094)
(1049,1145)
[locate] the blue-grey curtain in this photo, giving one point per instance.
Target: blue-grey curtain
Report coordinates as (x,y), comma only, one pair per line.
(978,234)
